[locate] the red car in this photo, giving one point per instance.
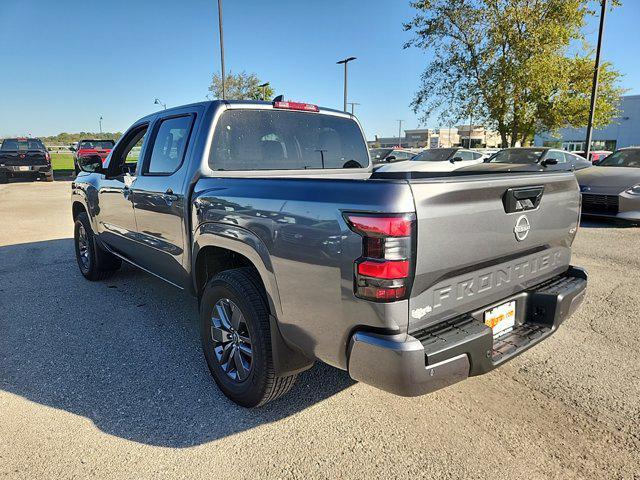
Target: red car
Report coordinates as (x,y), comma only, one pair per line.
(90,147)
(595,155)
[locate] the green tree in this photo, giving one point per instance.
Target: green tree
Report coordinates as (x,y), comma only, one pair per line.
(520,66)
(240,86)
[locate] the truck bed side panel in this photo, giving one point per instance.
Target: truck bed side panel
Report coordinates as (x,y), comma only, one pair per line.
(312,250)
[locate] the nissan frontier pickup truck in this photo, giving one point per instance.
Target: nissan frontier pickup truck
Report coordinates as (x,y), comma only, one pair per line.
(271,216)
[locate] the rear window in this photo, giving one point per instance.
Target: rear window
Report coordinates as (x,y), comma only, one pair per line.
(96,144)
(27,144)
(286,140)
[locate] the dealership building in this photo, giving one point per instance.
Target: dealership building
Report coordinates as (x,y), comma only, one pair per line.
(462,135)
(623,131)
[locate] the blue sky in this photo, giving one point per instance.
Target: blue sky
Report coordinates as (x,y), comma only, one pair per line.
(67,62)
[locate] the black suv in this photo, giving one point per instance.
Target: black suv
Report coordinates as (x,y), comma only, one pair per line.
(24,157)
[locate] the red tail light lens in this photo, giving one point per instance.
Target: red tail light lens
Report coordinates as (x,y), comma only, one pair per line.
(388,270)
(383,273)
(382,226)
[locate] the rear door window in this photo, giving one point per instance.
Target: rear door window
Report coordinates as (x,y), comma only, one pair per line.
(169,145)
(286,140)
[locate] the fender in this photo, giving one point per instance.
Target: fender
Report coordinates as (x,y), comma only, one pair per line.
(82,193)
(287,359)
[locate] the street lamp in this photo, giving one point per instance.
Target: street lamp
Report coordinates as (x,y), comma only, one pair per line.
(345,61)
(224,92)
(353,105)
(400,133)
(100,123)
(264,90)
(594,87)
(158,102)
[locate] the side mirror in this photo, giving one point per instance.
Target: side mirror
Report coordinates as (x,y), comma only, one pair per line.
(456,159)
(390,158)
(549,161)
(90,164)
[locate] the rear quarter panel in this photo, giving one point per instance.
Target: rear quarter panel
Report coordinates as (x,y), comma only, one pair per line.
(297,224)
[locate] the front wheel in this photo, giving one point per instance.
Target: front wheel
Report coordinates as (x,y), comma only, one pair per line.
(236,339)
(94,262)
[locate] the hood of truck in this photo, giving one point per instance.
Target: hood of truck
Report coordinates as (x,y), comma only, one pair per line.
(469,253)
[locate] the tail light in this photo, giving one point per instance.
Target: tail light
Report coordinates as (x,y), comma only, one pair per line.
(47,157)
(383,273)
(305,107)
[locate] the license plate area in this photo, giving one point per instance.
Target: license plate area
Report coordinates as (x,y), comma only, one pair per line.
(24,169)
(501,318)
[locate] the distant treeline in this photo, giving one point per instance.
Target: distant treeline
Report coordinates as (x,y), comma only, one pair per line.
(68,138)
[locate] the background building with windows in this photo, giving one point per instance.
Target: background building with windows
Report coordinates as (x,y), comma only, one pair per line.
(623,131)
(461,136)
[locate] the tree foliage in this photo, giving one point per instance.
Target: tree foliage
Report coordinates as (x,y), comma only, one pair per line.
(240,86)
(520,66)
(68,138)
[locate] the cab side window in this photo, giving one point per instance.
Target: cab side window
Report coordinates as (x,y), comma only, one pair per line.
(169,145)
(125,158)
(465,155)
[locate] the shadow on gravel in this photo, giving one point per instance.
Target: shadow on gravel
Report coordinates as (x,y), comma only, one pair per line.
(124,352)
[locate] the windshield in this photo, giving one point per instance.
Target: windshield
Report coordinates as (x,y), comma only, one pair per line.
(622,158)
(21,145)
(519,155)
(96,145)
(286,140)
(434,155)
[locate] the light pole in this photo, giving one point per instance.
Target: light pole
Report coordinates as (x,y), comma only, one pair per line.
(224,91)
(345,61)
(594,87)
(158,102)
(100,123)
(400,133)
(264,90)
(353,104)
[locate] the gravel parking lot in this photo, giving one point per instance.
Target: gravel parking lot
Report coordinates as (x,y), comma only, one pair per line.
(107,380)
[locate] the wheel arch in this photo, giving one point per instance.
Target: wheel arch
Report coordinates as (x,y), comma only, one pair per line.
(217,248)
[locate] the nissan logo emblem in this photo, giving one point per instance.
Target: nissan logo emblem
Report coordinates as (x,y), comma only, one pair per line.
(522,228)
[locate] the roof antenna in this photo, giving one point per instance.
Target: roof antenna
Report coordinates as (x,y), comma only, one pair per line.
(279,98)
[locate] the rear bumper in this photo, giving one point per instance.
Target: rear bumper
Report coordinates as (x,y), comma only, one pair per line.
(446,353)
(25,170)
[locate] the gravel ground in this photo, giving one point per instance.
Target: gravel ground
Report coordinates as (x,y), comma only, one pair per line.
(107,380)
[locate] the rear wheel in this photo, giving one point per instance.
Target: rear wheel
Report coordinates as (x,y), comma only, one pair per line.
(94,262)
(236,339)
(49,177)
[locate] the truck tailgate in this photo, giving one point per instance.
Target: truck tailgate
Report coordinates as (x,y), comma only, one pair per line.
(474,247)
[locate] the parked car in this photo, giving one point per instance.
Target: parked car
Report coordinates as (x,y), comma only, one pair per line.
(612,188)
(389,155)
(594,155)
(270,215)
(548,158)
(25,157)
(90,147)
(436,160)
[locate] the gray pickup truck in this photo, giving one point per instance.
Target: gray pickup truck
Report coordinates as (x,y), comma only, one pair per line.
(271,215)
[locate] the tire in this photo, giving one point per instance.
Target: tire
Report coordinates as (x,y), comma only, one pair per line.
(251,382)
(49,177)
(94,262)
